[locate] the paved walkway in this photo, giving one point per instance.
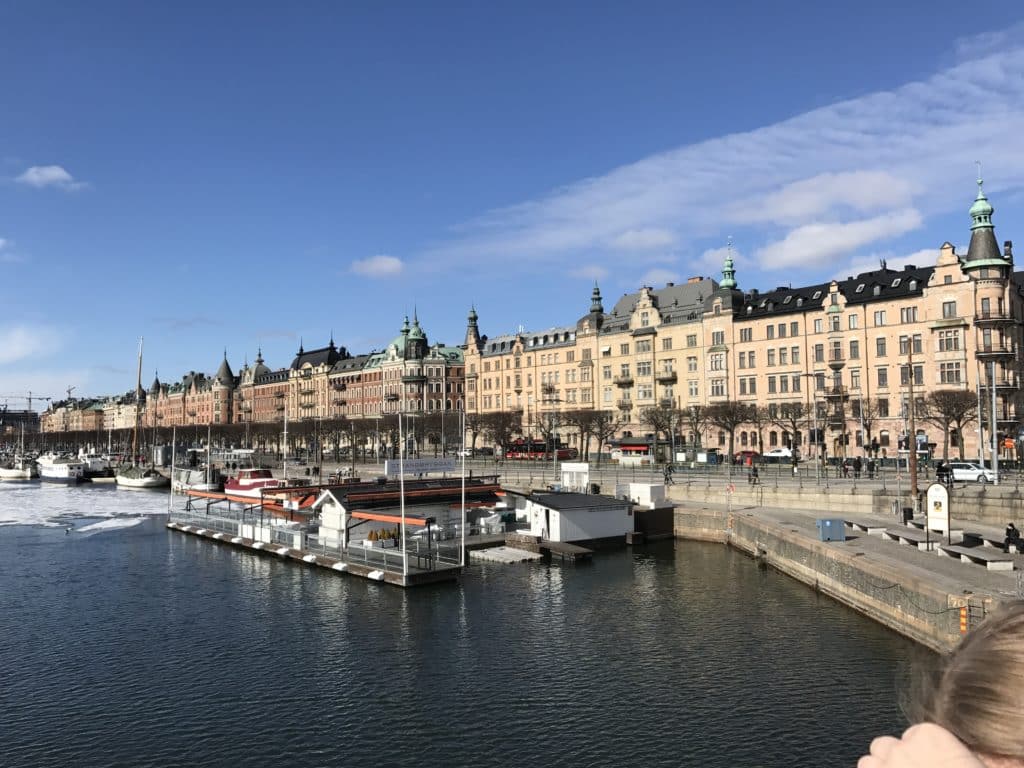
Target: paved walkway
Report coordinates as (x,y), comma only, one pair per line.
(946,573)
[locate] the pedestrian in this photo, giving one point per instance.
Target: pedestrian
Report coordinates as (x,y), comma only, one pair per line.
(858,465)
(668,475)
(970,715)
(846,467)
(753,477)
(1012,538)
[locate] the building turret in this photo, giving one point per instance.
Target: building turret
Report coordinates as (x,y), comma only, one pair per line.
(224,376)
(983,250)
(472,331)
(728,272)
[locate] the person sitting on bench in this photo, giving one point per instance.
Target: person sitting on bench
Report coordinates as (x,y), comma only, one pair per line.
(1012,537)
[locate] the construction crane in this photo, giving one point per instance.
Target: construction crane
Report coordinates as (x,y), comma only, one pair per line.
(28,398)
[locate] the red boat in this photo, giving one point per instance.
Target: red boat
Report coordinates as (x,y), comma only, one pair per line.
(252,482)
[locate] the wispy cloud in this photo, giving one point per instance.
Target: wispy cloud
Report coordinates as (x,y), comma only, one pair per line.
(799,194)
(378,266)
(590,272)
(40,176)
(656,277)
(21,342)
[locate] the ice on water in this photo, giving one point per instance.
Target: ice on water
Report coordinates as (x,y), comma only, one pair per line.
(54,505)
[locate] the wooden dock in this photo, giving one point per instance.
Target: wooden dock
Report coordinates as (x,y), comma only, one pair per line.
(565,551)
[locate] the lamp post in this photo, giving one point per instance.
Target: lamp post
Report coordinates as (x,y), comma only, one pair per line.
(812,405)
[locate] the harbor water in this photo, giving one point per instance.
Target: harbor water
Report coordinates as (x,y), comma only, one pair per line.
(127,644)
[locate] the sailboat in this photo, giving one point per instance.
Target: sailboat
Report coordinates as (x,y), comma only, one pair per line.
(19,468)
(136,476)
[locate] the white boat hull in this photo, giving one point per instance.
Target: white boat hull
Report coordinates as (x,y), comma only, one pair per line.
(141,482)
(15,475)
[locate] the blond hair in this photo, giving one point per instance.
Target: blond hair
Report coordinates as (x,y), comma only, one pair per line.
(978,693)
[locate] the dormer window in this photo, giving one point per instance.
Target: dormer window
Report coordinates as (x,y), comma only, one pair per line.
(896,283)
(860,288)
(799,301)
(816,296)
(878,290)
(787,300)
(913,285)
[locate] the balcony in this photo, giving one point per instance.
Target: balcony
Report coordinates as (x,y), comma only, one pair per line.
(666,402)
(1001,382)
(992,318)
(391,397)
(666,377)
(837,392)
(836,360)
(995,350)
(413,378)
(307,390)
(625,405)
(623,381)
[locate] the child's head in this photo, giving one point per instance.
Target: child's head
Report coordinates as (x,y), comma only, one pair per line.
(979,693)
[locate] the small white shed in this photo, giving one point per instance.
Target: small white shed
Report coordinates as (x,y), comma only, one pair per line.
(575,517)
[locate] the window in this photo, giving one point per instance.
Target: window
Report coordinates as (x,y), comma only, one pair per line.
(783,384)
(691,364)
(751,360)
(624,370)
(819,326)
(643,368)
(645,319)
(606,372)
(908,315)
(986,307)
(717,361)
(743,359)
(666,344)
(819,381)
(607,394)
(743,386)
(796,382)
(949,309)
(852,320)
(771,385)
(794,328)
(694,389)
(717,387)
(879,318)
(949,341)
(905,375)
(782,330)
(643,345)
(854,349)
(770,332)
(855,378)
(691,340)
(880,346)
(717,338)
(752,385)
(883,377)
(783,356)
(624,349)
(746,334)
(795,355)
(644,392)
(819,353)
(916,343)
(949,373)
(834,322)
(771,357)
(904,345)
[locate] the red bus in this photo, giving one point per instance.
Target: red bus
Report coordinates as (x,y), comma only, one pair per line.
(538,450)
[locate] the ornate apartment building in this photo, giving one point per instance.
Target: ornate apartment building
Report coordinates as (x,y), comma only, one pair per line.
(850,351)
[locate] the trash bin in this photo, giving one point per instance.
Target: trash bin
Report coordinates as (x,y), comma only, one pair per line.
(831,529)
(595,489)
(908,515)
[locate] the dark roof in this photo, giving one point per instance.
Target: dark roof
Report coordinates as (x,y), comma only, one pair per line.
(876,285)
(328,355)
(577,501)
(677,304)
(983,245)
(349,364)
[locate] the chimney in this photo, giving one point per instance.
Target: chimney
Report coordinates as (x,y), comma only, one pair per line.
(693,280)
(1008,249)
(669,285)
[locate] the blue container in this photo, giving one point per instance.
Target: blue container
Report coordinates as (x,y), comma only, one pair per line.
(831,529)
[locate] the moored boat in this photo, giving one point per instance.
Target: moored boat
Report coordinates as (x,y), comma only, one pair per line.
(252,482)
(196,480)
(61,469)
(19,468)
(97,467)
(140,477)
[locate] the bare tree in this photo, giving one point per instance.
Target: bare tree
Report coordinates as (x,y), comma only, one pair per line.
(759,419)
(605,425)
(582,420)
(695,417)
(728,416)
(499,428)
(790,417)
(947,408)
(661,420)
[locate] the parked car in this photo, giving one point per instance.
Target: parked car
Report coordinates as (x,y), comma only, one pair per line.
(967,472)
(741,457)
(465,452)
(778,455)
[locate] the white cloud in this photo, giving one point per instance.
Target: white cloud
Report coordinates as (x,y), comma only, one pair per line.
(378,266)
(590,272)
(656,278)
(815,186)
(643,239)
(713,259)
(812,244)
(923,258)
(20,342)
(40,176)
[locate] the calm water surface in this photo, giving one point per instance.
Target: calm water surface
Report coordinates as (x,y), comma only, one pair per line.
(125,644)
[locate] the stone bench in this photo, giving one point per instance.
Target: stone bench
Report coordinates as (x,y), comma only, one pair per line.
(912,537)
(985,540)
(871,529)
(993,561)
(919,522)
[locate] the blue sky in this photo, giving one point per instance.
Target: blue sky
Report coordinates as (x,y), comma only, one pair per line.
(246,175)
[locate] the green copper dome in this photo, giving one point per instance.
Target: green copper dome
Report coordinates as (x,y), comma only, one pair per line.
(728,272)
(982,210)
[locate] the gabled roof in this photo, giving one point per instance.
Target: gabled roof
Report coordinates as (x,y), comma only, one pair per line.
(682,303)
(328,355)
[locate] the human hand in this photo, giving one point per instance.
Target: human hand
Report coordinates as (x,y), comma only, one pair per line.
(922,746)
